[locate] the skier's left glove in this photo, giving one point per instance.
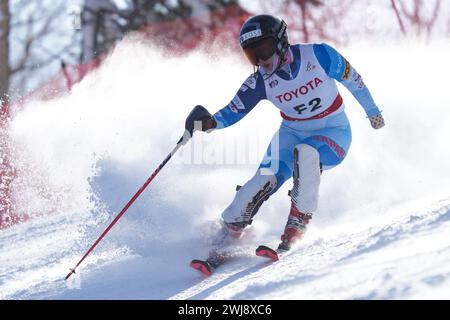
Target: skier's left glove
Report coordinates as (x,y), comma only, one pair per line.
(377,121)
(198,120)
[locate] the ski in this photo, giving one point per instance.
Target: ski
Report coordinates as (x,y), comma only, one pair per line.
(208,266)
(267,252)
(203,266)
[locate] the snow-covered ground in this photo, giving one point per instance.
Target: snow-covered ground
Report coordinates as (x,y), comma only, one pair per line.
(381,230)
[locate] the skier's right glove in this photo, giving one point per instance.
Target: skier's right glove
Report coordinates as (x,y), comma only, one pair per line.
(198,120)
(377,121)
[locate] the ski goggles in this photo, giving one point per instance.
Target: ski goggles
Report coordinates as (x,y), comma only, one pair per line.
(261,50)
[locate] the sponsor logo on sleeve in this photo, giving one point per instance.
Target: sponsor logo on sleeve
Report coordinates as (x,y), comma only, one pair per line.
(243,88)
(339,64)
(346,73)
(238,103)
(233,108)
(358,80)
(250,83)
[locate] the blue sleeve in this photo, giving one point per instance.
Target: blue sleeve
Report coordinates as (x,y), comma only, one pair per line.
(250,93)
(338,68)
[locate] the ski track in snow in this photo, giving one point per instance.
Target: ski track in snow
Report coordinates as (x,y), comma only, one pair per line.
(381,230)
(401,259)
(352,266)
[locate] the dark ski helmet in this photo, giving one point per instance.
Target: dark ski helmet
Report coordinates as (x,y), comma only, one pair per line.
(263,35)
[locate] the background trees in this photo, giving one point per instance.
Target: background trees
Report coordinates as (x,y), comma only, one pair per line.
(37,37)
(4,49)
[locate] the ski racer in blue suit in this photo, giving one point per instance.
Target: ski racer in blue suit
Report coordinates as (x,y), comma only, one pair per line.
(314,135)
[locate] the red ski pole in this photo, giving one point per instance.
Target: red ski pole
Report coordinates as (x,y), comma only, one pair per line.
(179,144)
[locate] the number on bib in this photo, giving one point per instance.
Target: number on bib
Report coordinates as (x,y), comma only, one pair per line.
(314,104)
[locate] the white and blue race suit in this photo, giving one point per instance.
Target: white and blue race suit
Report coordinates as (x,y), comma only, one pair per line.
(312,110)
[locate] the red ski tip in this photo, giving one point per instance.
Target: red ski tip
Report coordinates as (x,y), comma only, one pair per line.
(263,251)
(201,266)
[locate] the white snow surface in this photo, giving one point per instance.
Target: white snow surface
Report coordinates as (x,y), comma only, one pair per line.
(381,230)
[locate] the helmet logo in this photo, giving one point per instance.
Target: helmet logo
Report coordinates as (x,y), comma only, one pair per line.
(250,35)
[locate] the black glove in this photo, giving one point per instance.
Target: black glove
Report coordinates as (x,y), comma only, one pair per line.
(199,115)
(198,119)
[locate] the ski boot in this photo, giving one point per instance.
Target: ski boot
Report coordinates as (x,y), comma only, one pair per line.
(294,230)
(228,233)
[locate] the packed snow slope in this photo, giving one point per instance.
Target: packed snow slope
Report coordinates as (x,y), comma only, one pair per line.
(381,230)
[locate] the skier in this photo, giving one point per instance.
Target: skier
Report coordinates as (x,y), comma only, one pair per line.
(314,134)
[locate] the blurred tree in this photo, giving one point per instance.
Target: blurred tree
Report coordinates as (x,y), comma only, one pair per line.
(298,14)
(6,170)
(220,16)
(100,26)
(30,40)
(416,15)
(314,20)
(178,22)
(305,15)
(103,23)
(4,50)
(39,38)
(145,12)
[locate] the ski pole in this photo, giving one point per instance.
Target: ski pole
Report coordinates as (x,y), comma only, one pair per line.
(179,144)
